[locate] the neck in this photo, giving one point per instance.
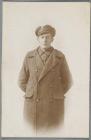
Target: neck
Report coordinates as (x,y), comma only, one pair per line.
(45,47)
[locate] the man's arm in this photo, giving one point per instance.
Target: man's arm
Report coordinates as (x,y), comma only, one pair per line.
(66,75)
(23,75)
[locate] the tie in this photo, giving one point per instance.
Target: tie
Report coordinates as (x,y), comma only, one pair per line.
(45,53)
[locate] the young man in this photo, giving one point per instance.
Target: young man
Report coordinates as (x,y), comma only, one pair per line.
(45,78)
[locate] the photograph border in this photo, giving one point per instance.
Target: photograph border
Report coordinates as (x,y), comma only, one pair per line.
(33,138)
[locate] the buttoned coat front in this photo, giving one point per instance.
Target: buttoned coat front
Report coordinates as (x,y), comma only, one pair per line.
(44,88)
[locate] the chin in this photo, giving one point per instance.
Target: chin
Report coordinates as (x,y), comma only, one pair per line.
(46,45)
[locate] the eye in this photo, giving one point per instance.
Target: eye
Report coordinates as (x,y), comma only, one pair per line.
(42,36)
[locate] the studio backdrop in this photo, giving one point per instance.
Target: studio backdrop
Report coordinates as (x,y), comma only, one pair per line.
(72,23)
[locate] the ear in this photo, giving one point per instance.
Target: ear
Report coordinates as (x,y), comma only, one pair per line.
(38,39)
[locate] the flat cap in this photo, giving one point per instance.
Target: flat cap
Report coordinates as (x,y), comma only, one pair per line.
(45,30)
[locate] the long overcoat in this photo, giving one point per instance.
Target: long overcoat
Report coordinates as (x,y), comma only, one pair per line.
(45,87)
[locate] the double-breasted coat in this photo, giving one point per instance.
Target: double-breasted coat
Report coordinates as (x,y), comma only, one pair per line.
(45,87)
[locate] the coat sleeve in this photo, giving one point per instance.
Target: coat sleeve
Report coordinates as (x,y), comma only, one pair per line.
(23,75)
(66,75)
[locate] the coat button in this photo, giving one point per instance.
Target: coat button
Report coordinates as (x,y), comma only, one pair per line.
(37,100)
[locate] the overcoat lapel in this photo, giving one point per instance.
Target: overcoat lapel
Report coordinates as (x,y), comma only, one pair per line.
(50,63)
(39,63)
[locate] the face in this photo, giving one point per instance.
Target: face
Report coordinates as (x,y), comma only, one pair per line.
(45,40)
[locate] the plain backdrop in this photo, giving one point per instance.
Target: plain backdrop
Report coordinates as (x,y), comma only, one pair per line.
(72,24)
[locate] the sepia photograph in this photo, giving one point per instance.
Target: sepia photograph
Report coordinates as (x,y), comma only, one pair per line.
(45,69)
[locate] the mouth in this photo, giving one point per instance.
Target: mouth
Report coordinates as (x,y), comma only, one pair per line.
(45,42)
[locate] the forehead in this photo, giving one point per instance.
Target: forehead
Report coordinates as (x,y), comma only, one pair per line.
(46,34)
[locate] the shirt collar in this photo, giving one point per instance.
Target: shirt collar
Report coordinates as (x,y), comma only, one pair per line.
(47,51)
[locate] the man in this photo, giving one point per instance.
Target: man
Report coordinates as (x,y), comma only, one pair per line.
(45,78)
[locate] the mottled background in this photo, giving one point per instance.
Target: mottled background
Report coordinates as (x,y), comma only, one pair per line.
(72,23)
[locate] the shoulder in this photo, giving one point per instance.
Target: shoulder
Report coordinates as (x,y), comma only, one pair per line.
(59,54)
(30,54)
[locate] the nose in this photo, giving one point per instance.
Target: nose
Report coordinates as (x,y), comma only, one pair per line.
(45,38)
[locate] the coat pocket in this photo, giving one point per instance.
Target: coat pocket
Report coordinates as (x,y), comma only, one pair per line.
(58,97)
(28,98)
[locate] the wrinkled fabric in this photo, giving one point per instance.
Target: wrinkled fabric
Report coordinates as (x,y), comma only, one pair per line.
(45,87)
